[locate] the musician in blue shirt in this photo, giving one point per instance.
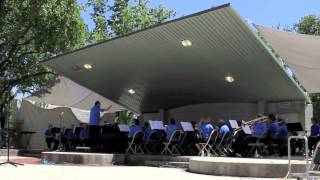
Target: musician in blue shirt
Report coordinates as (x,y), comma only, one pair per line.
(134,128)
(205,128)
(49,136)
(84,134)
(273,129)
(260,129)
(282,138)
(223,128)
(171,128)
(314,137)
(147,130)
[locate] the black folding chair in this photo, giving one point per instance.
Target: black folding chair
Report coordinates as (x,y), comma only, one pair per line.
(209,147)
(222,145)
(135,144)
(170,147)
(151,142)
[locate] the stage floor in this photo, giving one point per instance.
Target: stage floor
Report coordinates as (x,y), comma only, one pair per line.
(269,167)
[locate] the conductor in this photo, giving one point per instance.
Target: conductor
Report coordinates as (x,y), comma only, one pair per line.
(94,121)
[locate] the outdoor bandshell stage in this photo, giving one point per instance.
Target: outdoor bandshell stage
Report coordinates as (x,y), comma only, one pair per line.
(270,167)
(211,64)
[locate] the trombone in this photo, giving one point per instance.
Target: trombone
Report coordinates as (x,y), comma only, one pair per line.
(254,121)
(251,122)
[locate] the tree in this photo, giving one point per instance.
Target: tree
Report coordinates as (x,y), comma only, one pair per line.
(127,17)
(311,25)
(123,17)
(30,31)
(100,32)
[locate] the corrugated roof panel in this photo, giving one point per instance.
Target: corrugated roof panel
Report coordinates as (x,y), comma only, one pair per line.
(167,75)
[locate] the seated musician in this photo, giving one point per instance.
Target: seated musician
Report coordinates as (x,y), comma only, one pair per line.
(147,130)
(223,128)
(205,128)
(72,137)
(63,138)
(134,128)
(84,135)
(171,128)
(49,136)
(273,129)
(282,138)
(314,137)
(272,133)
(259,130)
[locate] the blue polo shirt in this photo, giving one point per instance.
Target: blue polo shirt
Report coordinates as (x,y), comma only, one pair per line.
(315,130)
(133,129)
(223,129)
(71,133)
(283,132)
(273,129)
(259,129)
(95,115)
(48,133)
(147,132)
(170,129)
(206,129)
(84,133)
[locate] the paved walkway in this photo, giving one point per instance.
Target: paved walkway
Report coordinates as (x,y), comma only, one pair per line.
(55,172)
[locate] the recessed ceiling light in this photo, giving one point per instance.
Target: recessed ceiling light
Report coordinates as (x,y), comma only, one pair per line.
(229,78)
(186,43)
(87,66)
(131,91)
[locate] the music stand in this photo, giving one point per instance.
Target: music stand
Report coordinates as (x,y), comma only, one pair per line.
(8,150)
(294,127)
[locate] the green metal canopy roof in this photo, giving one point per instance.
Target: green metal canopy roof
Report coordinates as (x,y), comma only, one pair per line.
(164,74)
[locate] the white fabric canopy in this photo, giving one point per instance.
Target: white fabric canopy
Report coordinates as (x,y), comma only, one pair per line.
(70,94)
(37,119)
(301,52)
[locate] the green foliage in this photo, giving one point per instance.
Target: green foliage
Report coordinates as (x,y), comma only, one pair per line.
(100,32)
(309,25)
(128,17)
(124,117)
(30,31)
(124,16)
(315,98)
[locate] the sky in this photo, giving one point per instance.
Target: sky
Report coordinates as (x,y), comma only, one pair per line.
(269,13)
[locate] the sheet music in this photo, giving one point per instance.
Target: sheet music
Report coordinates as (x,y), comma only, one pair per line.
(156,125)
(123,127)
(246,129)
(233,124)
(186,126)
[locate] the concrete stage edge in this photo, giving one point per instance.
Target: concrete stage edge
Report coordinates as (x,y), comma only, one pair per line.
(244,167)
(238,167)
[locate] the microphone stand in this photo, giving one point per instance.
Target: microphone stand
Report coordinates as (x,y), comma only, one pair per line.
(8,150)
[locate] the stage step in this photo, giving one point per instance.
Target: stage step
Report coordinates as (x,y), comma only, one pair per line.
(12,152)
(183,165)
(30,153)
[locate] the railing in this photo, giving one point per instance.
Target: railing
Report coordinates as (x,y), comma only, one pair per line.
(306,173)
